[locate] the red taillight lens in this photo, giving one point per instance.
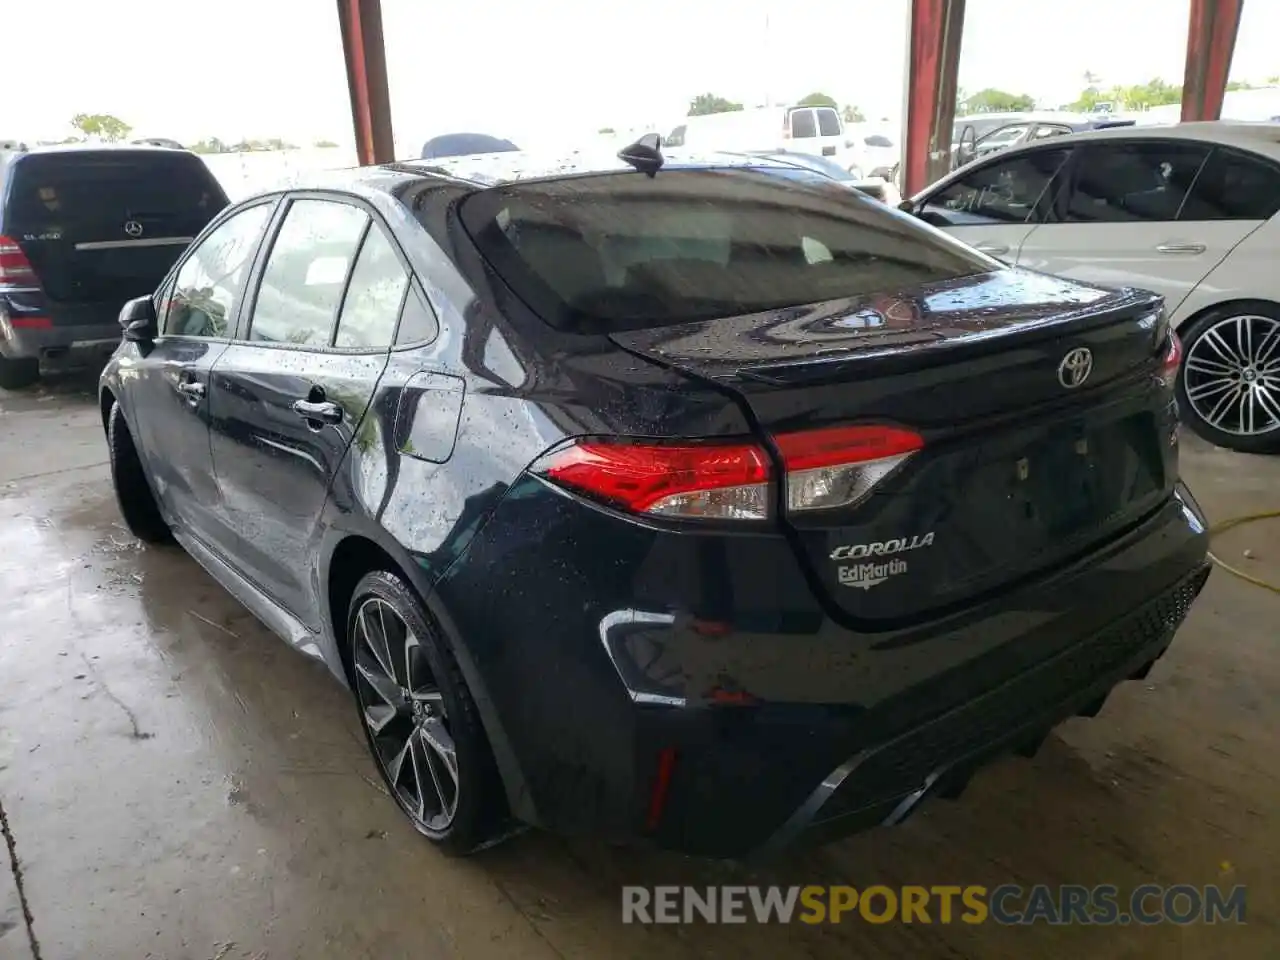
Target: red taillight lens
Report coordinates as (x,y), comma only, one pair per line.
(709,480)
(826,468)
(15,268)
(1172,361)
(838,466)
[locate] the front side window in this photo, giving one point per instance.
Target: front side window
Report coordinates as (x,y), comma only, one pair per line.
(828,122)
(372,303)
(802,124)
(1134,181)
(1008,191)
(620,251)
(1234,186)
(306,271)
(209,282)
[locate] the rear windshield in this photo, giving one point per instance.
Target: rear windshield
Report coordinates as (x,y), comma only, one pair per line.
(90,196)
(623,251)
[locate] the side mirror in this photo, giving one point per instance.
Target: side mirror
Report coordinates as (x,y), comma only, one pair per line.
(138,320)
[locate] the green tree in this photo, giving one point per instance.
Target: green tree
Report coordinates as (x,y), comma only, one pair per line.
(705,103)
(1273,81)
(101,125)
(992,100)
(605,130)
(324,144)
(209,145)
(852,114)
(816,99)
(1240,85)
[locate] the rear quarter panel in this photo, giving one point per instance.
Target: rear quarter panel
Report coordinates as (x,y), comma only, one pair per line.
(1248,272)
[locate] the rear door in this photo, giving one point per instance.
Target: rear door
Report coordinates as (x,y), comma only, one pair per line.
(100,227)
(1121,219)
(289,396)
(996,206)
(167,397)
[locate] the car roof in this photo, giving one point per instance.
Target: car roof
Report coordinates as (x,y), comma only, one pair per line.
(1259,137)
(492,169)
(73,148)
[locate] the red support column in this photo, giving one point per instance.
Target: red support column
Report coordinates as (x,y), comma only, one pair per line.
(365,56)
(933,62)
(1211,40)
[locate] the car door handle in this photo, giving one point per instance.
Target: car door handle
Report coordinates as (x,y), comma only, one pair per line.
(1181,248)
(321,411)
(193,389)
(992,249)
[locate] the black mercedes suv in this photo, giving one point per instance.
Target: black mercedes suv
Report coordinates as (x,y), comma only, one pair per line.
(82,230)
(697,501)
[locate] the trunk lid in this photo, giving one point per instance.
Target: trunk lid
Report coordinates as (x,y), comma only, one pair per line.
(103,226)
(1018,471)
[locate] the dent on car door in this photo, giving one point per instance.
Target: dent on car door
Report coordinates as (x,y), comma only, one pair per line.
(996,206)
(1139,213)
(289,398)
(167,386)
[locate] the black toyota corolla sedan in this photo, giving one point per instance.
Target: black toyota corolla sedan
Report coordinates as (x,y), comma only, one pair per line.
(704,502)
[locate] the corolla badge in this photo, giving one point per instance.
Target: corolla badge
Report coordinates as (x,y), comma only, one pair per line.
(1075,367)
(874,571)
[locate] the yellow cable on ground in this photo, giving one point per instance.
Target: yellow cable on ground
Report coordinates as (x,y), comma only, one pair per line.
(1226,525)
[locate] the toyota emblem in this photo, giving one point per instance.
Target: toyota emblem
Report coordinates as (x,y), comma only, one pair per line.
(133,228)
(1075,367)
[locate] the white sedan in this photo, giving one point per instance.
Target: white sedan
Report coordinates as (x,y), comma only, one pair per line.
(1188,211)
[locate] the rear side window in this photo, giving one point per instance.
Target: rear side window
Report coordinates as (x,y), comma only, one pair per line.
(621,251)
(828,122)
(92,195)
(306,272)
(374,295)
(1234,186)
(802,124)
(1142,182)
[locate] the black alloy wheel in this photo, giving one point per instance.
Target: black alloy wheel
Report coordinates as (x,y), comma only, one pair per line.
(419,719)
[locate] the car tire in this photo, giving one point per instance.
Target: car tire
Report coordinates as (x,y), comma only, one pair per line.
(1228,350)
(16,373)
(413,706)
(133,492)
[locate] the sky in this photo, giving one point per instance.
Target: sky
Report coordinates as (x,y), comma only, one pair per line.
(189,69)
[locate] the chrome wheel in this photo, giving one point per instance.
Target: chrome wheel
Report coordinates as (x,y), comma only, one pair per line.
(404,711)
(1232,375)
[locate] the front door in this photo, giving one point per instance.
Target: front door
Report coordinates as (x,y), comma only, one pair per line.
(170,384)
(289,397)
(995,207)
(1132,215)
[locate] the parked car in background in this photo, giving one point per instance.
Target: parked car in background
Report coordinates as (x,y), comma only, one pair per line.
(1188,211)
(818,131)
(82,230)
(690,503)
(877,187)
(879,148)
(465,144)
(159,142)
(984,134)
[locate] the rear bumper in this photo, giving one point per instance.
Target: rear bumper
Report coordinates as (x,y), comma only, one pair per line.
(31,326)
(599,669)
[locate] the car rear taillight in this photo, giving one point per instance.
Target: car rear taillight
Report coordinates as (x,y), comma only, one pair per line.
(707,479)
(15,268)
(1171,361)
(838,466)
(728,481)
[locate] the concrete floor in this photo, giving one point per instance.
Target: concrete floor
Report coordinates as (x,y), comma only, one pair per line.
(176,783)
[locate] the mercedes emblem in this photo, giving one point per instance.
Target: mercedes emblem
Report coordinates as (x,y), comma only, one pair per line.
(133,228)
